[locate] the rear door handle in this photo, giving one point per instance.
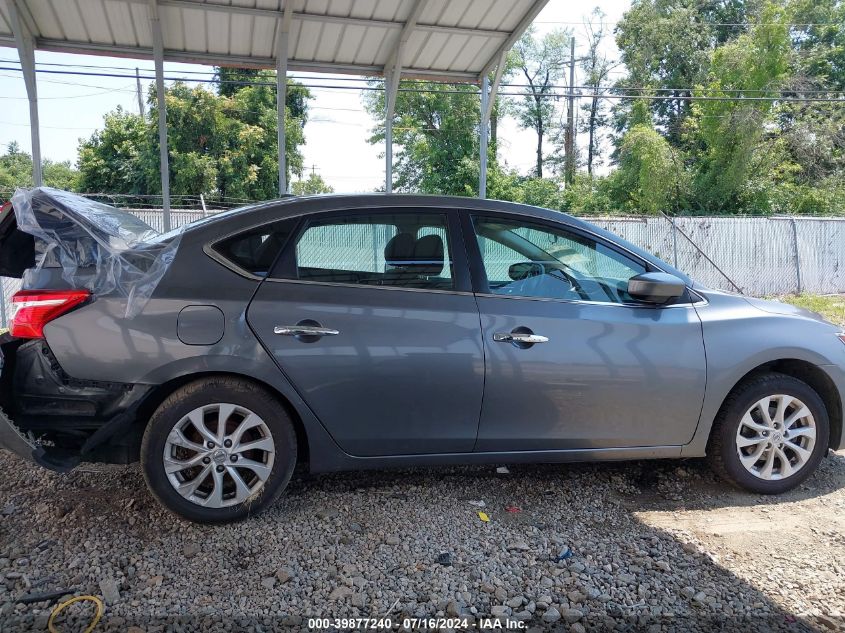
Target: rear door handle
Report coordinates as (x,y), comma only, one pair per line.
(519,337)
(304,330)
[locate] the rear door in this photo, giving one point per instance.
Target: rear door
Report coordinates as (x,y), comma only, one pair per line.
(370,315)
(599,369)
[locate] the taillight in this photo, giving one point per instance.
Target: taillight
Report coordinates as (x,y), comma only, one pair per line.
(33,309)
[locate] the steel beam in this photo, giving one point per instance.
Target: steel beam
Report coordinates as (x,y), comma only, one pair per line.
(281,91)
(164,160)
(389,104)
(238,61)
(483,131)
(524,23)
(25,43)
(195,5)
(488,99)
(392,76)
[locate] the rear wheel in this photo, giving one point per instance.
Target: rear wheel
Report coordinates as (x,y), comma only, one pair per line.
(218,450)
(770,434)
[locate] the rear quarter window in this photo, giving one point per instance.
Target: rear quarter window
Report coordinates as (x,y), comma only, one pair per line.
(255,250)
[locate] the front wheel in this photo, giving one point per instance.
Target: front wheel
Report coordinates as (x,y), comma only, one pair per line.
(218,449)
(770,434)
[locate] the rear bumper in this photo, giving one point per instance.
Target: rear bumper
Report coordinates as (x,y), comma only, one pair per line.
(13,440)
(73,420)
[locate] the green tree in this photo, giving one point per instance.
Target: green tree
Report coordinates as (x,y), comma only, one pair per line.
(16,171)
(651,176)
(540,62)
(435,130)
(596,66)
(818,37)
(726,132)
(667,44)
(312,185)
(112,159)
(220,144)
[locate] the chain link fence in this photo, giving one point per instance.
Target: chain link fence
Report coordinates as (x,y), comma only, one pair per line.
(756,256)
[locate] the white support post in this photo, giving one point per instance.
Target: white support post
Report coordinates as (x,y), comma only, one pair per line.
(25,41)
(164,160)
(483,131)
(391,83)
(488,100)
(281,92)
(392,76)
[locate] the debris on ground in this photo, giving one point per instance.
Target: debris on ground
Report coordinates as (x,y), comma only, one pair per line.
(688,550)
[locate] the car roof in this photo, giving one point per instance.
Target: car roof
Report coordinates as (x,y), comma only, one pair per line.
(291,206)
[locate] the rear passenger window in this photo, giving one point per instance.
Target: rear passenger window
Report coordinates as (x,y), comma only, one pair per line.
(403,250)
(254,251)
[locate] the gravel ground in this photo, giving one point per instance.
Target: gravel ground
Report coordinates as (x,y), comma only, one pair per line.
(653,546)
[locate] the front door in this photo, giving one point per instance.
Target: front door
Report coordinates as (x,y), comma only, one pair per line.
(371,317)
(572,361)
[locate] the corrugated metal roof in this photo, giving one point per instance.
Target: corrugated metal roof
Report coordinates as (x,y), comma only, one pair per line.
(451,39)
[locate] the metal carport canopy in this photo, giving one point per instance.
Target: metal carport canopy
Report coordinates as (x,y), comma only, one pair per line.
(438,40)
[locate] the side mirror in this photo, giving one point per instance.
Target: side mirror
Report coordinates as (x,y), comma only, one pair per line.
(657,288)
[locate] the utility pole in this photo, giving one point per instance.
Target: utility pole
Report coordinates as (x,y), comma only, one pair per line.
(140,95)
(570,118)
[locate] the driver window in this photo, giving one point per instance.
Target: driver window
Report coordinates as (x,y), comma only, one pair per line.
(523,259)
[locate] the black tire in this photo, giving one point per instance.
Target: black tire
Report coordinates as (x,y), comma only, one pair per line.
(208,391)
(722,445)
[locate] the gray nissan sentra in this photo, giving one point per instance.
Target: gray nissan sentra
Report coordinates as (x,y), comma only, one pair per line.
(350,332)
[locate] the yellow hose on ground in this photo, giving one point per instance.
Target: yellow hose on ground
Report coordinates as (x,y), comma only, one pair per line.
(60,607)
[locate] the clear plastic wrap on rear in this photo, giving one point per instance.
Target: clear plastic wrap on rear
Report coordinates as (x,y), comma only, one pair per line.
(98,247)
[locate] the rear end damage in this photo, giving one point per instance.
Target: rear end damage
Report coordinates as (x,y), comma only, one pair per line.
(69,251)
(58,421)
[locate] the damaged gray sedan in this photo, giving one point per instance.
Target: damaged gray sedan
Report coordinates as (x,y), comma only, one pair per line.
(351,332)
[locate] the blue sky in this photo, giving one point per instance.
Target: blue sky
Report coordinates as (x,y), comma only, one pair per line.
(72,107)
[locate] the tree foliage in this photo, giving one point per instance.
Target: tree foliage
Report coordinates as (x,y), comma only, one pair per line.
(435,130)
(312,185)
(540,63)
(222,145)
(16,171)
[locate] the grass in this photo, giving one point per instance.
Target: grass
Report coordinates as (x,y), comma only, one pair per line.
(831,307)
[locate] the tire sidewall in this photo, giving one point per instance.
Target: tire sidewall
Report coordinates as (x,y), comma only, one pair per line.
(774,385)
(206,392)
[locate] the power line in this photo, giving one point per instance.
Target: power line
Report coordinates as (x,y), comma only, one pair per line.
(767,93)
(368,80)
(607,93)
(703,23)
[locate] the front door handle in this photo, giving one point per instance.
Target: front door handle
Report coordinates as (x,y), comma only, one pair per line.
(304,330)
(525,338)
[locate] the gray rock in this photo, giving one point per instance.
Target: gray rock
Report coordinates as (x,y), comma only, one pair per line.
(572,615)
(283,575)
(268,583)
(109,590)
(551,615)
(190,550)
(327,513)
(341,592)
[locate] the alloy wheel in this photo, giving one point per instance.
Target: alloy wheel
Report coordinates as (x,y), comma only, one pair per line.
(776,437)
(219,455)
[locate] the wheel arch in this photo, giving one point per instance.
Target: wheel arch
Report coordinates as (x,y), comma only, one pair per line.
(161,392)
(809,373)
